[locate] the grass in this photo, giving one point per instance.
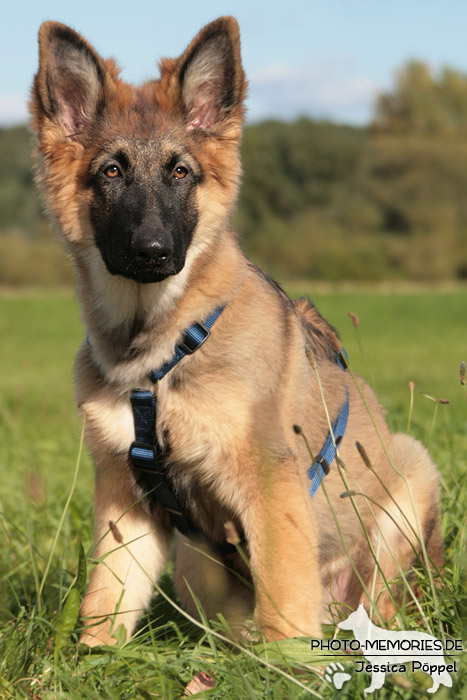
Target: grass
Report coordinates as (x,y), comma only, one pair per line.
(419,337)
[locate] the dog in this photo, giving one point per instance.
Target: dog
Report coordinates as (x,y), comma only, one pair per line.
(219,413)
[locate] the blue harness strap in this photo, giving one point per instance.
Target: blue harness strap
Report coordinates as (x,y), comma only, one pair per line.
(146,455)
(326,457)
(193,338)
(148,461)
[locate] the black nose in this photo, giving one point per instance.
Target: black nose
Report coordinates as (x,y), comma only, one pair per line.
(151,249)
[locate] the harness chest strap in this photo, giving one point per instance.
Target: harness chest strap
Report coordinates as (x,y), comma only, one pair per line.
(146,455)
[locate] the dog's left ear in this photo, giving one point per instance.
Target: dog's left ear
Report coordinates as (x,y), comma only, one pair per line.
(210,76)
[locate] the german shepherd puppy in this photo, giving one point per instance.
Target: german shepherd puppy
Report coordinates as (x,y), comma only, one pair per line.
(140,182)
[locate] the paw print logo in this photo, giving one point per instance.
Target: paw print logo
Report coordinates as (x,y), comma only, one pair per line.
(335,673)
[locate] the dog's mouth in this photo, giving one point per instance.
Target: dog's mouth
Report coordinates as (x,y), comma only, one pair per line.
(143,272)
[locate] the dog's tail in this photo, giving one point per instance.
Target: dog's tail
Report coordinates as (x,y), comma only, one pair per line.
(322,337)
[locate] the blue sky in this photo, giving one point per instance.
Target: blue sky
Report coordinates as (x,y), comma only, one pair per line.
(322,58)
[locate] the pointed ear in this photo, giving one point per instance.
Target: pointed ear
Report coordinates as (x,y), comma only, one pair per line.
(69,84)
(210,75)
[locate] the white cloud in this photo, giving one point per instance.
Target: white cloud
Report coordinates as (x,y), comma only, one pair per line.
(332,89)
(13,110)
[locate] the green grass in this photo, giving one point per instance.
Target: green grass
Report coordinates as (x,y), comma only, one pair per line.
(419,337)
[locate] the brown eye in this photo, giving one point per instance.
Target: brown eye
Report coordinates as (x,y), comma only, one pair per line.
(112,171)
(180,172)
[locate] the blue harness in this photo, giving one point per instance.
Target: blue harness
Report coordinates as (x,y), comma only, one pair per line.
(326,457)
(147,457)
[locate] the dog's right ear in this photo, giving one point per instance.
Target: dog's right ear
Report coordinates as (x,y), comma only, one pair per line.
(69,86)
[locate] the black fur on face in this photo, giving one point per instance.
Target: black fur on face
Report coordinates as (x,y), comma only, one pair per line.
(144,207)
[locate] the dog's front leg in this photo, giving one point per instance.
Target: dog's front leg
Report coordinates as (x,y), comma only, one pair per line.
(131,551)
(283,545)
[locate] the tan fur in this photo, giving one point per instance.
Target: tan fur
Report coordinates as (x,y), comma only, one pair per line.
(229,409)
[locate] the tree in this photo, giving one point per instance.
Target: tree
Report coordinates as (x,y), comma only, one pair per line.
(423,104)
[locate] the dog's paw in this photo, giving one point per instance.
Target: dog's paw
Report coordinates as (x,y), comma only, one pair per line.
(335,674)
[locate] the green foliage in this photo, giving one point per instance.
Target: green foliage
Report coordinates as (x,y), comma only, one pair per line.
(81,576)
(19,208)
(423,104)
(66,622)
(414,336)
(335,203)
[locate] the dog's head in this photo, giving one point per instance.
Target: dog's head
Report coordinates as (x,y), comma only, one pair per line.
(144,173)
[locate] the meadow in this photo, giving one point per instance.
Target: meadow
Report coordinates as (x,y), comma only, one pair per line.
(46,518)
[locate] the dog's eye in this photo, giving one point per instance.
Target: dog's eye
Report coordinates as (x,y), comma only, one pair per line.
(180,172)
(112,171)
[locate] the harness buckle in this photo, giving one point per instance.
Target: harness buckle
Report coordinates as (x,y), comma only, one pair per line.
(194,338)
(143,454)
(322,461)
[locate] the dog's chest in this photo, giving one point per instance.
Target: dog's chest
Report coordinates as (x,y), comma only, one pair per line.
(200,443)
(200,429)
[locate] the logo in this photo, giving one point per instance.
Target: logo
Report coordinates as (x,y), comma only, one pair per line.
(389,651)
